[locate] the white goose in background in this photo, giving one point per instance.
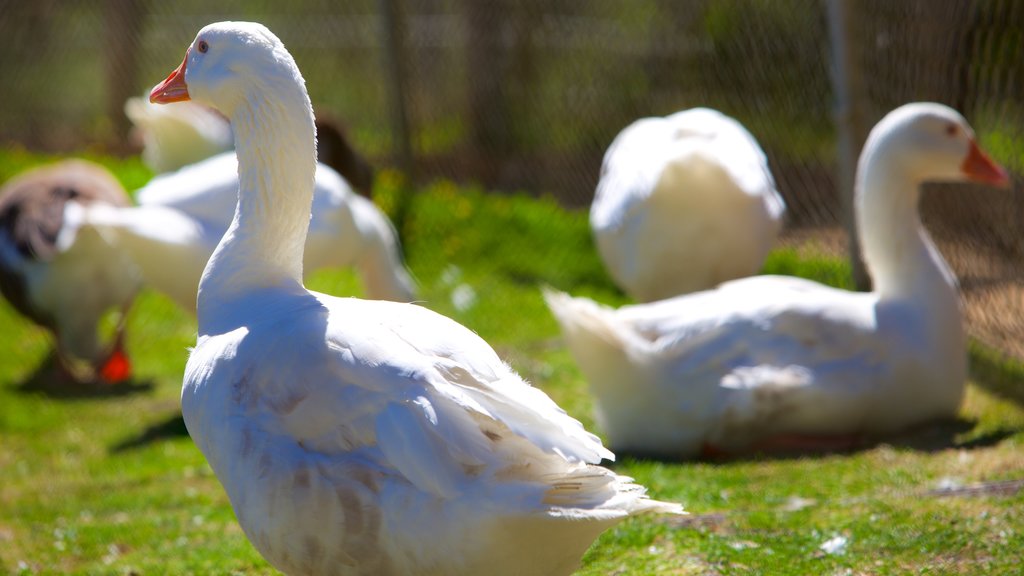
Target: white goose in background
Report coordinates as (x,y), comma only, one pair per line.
(769,361)
(177,136)
(66,291)
(353,436)
(684,203)
(174,137)
(182,215)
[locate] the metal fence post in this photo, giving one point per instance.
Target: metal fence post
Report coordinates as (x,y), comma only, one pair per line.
(848,86)
(394,30)
(123,20)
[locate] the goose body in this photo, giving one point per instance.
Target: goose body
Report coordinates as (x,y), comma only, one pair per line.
(66,289)
(362,437)
(182,215)
(773,357)
(684,203)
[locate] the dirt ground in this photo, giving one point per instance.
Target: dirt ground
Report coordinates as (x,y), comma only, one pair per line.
(991,282)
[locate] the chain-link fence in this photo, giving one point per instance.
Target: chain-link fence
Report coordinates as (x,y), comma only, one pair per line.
(527,94)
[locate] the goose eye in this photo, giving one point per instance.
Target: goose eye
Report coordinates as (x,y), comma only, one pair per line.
(952,130)
(203,46)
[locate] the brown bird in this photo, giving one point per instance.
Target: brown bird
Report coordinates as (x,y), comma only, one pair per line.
(334,149)
(66,289)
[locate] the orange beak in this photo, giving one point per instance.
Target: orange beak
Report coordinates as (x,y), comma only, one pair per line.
(980,168)
(172,89)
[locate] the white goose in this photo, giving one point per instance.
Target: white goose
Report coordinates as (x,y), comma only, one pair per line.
(176,136)
(768,361)
(684,203)
(182,215)
(173,137)
(352,436)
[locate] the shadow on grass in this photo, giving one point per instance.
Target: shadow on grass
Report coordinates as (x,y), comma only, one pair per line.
(172,427)
(50,380)
(932,437)
(956,433)
(997,373)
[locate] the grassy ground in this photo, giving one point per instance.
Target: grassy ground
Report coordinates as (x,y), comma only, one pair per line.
(110,483)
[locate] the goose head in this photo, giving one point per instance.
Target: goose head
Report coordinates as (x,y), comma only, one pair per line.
(227,62)
(913,144)
(930,142)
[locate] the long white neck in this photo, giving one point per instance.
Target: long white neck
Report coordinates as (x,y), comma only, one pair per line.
(263,248)
(899,254)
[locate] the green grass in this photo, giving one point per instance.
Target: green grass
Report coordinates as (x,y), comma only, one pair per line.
(111,484)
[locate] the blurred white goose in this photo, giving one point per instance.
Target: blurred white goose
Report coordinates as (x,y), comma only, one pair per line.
(66,291)
(176,136)
(182,215)
(771,361)
(684,203)
(352,436)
